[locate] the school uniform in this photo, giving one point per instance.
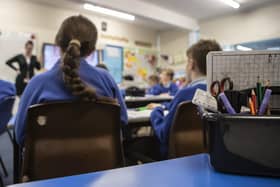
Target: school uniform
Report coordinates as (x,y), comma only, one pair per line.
(7,89)
(154,90)
(161,124)
(49,86)
(158,89)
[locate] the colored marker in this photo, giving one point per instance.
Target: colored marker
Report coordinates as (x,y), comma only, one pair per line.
(226,103)
(259,91)
(254,100)
(265,101)
(251,105)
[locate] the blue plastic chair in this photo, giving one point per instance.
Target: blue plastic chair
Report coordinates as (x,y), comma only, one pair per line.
(6,107)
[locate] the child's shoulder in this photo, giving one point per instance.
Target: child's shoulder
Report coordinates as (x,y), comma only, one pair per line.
(191,88)
(5,83)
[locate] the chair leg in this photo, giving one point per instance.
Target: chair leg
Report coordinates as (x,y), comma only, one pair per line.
(17,160)
(10,135)
(3,167)
(1,182)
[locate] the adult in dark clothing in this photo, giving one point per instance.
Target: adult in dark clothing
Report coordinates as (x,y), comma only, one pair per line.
(26,65)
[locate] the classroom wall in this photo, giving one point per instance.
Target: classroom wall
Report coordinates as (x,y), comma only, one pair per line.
(175,44)
(258,24)
(44,21)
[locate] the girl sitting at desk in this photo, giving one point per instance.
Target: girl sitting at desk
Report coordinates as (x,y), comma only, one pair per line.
(71,77)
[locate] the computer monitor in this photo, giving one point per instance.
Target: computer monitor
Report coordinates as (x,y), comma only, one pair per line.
(51,54)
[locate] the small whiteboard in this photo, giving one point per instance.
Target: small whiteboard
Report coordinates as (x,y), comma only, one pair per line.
(244,68)
(11,44)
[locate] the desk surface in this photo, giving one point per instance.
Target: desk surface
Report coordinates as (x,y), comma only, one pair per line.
(148,98)
(140,116)
(193,171)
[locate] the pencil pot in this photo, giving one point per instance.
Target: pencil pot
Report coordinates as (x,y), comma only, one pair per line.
(247,145)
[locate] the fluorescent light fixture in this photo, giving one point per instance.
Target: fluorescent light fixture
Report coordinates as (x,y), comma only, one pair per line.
(231,3)
(109,12)
(243,48)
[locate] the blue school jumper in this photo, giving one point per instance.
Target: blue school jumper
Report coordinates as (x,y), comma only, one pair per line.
(161,124)
(7,89)
(158,89)
(49,86)
(154,90)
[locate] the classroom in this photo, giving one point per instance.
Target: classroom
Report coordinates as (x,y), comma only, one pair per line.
(139,93)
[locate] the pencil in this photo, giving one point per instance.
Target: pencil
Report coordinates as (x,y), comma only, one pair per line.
(251,106)
(254,100)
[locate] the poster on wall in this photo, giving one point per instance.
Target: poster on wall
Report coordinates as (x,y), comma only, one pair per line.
(113,59)
(139,62)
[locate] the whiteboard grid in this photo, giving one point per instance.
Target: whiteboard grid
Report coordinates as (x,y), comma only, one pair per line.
(244,68)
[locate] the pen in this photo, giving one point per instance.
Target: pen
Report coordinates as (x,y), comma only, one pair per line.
(251,105)
(226,103)
(265,101)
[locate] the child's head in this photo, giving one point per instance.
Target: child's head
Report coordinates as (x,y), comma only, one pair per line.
(77,39)
(153,80)
(197,56)
(166,76)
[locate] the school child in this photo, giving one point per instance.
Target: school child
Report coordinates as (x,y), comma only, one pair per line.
(167,86)
(71,77)
(154,86)
(196,72)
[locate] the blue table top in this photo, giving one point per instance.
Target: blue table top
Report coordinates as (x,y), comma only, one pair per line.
(193,171)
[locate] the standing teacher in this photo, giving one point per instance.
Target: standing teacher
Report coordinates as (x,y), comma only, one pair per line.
(26,63)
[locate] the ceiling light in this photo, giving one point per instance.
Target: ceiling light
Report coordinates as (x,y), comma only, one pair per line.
(243,48)
(231,3)
(109,12)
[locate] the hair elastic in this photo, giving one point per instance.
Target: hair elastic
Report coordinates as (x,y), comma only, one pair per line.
(75,42)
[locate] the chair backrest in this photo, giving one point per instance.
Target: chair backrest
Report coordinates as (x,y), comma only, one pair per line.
(6,107)
(186,133)
(69,138)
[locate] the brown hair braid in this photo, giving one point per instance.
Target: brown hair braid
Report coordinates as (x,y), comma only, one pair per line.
(77,38)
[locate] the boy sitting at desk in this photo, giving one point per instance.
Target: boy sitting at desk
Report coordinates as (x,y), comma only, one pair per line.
(196,72)
(166,85)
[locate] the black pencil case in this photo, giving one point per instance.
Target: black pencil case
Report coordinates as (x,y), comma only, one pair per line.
(242,144)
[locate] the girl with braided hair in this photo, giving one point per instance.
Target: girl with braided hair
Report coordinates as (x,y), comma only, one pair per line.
(71,77)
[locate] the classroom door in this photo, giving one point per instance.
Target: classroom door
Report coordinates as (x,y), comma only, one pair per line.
(113,58)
